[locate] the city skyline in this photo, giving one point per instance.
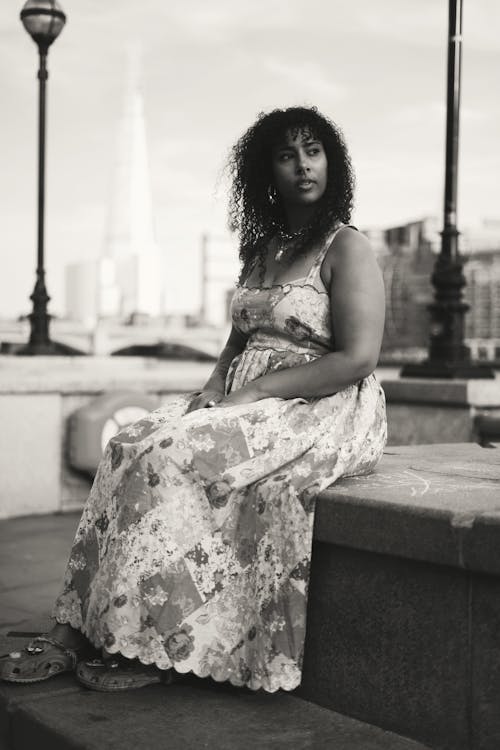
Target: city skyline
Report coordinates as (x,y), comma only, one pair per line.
(206,72)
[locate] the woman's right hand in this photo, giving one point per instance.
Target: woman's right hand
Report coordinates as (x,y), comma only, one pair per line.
(201,400)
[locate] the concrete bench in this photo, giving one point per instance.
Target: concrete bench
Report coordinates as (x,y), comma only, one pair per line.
(404,602)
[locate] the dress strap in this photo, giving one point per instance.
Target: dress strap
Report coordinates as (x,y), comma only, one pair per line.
(322,253)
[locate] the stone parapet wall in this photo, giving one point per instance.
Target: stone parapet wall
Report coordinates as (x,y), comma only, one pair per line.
(423,410)
(37,397)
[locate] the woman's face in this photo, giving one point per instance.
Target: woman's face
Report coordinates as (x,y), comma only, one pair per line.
(300,168)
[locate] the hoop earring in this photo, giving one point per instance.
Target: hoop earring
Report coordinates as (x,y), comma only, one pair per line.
(272,195)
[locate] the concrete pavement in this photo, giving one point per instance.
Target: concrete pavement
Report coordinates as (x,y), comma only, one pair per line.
(33,551)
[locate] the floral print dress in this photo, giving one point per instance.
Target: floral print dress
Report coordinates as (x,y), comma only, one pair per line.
(194,547)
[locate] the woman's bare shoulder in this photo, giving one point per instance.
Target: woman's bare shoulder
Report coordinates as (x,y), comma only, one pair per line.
(348,247)
(348,241)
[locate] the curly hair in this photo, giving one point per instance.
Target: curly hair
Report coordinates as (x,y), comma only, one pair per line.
(252,213)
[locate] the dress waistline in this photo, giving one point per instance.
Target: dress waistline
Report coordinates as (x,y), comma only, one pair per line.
(262,341)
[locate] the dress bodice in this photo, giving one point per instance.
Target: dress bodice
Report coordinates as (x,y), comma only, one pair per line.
(286,323)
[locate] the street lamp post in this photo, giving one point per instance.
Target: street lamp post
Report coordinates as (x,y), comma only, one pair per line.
(449,357)
(44,21)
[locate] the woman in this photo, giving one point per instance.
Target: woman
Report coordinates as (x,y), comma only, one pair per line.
(193,549)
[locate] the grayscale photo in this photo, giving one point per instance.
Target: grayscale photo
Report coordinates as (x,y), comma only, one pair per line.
(250,375)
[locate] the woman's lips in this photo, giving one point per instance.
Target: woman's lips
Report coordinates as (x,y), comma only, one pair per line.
(305,184)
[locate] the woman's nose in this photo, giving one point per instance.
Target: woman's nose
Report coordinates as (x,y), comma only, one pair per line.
(302,164)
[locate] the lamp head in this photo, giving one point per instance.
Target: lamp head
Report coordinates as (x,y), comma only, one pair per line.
(43,20)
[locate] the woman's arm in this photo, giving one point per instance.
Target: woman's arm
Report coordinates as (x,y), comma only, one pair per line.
(234,346)
(357,308)
(216,382)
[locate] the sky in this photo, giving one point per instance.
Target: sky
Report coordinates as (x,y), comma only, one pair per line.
(378,69)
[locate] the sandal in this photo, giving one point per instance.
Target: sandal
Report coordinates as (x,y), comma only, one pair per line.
(43,657)
(119,673)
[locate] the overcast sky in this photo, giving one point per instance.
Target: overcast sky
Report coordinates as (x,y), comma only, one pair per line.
(208,67)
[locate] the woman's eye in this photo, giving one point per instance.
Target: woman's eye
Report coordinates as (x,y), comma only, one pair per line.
(313,151)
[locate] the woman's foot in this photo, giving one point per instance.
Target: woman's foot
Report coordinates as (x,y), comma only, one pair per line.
(68,636)
(45,656)
(113,673)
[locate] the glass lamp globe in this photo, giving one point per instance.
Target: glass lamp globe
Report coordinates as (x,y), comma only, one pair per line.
(43,20)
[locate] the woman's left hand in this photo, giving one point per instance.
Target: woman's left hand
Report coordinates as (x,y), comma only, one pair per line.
(245,395)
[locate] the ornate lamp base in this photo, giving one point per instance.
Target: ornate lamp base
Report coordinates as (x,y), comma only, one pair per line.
(51,349)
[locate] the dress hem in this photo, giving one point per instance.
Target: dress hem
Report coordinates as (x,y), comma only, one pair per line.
(133,655)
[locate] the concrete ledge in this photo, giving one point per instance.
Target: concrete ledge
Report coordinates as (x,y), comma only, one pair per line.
(435,503)
(421,411)
(190,714)
(477,393)
(66,375)
(404,601)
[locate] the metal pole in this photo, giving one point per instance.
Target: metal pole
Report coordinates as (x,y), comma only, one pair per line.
(448,310)
(40,342)
(449,247)
(449,357)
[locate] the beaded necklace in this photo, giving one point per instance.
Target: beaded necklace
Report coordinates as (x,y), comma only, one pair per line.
(286,240)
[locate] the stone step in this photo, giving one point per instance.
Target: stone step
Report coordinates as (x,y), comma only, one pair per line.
(192,713)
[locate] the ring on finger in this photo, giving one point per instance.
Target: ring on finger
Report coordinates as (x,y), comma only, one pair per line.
(211,403)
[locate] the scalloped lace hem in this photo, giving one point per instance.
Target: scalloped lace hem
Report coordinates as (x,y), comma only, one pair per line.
(219,677)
